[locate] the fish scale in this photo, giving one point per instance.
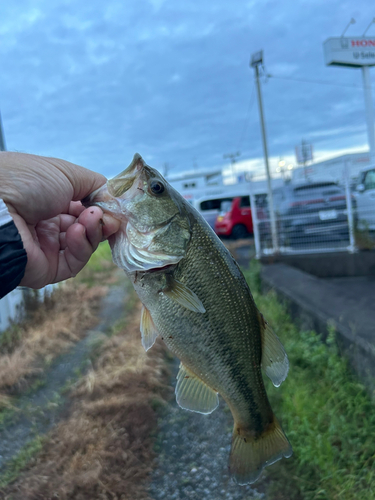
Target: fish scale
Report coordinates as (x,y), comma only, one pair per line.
(197,300)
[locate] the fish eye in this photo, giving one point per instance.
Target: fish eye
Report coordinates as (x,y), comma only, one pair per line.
(157,187)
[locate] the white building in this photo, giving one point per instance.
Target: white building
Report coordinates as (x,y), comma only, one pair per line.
(334,168)
(195,183)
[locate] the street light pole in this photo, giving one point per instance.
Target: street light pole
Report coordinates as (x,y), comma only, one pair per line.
(369,112)
(2,139)
(256,61)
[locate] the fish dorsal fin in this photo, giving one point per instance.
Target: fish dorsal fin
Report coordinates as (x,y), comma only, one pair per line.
(274,358)
(193,394)
(148,330)
(181,294)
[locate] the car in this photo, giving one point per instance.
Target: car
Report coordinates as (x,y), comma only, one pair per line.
(365,197)
(311,212)
(209,207)
(235,219)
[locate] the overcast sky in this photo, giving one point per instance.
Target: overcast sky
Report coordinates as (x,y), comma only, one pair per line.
(94,82)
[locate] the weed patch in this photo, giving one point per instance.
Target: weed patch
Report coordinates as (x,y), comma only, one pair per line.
(326,413)
(50,330)
(105,448)
(100,267)
(14,466)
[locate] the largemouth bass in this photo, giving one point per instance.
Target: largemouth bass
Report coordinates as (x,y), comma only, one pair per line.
(196,299)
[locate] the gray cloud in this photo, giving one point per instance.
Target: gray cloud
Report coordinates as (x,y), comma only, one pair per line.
(94,82)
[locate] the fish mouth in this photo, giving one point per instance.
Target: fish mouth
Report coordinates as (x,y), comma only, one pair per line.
(125,186)
(120,185)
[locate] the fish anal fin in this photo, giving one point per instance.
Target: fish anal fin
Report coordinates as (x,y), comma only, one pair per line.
(193,394)
(250,455)
(274,358)
(181,294)
(148,330)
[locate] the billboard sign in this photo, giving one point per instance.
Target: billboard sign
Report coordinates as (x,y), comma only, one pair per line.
(350,51)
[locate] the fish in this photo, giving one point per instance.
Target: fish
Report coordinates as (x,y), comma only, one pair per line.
(196,299)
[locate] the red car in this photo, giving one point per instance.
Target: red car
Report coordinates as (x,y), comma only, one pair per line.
(235,218)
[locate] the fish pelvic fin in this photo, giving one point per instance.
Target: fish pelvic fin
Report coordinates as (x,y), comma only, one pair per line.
(148,330)
(249,455)
(193,394)
(274,358)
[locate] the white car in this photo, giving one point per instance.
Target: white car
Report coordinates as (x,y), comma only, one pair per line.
(365,196)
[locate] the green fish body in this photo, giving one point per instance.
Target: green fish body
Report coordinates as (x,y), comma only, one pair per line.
(197,300)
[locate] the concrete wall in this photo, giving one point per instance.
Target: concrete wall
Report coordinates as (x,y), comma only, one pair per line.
(10,308)
(329,265)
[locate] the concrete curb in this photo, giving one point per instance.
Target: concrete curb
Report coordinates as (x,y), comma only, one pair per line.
(316,304)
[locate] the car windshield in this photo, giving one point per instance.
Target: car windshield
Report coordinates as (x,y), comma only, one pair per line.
(225,206)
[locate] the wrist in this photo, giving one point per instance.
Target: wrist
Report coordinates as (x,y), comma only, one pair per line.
(13,257)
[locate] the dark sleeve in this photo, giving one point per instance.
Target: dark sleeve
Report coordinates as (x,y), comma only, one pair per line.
(13,258)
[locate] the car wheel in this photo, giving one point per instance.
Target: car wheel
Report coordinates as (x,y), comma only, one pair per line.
(239,231)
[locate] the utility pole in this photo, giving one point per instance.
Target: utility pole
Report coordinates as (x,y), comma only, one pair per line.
(166,169)
(232,157)
(256,61)
(2,138)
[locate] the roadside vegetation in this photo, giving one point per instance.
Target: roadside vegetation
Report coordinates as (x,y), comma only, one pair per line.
(29,347)
(326,413)
(103,448)
(364,238)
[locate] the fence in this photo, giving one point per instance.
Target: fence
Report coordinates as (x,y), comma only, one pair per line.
(325,212)
(12,306)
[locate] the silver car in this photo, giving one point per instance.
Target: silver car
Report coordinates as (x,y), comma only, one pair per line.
(365,196)
(311,212)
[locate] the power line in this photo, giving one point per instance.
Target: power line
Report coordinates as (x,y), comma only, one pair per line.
(319,82)
(247,119)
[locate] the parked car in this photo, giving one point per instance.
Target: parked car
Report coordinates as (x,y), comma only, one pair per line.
(234,219)
(210,207)
(311,212)
(365,197)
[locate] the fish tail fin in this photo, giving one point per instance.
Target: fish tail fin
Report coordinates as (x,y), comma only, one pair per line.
(250,455)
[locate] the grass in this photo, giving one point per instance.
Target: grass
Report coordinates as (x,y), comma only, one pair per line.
(100,267)
(25,455)
(30,346)
(363,238)
(49,331)
(326,413)
(104,449)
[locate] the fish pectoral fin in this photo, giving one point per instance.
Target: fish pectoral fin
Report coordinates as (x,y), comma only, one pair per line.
(193,394)
(274,358)
(183,295)
(249,455)
(148,330)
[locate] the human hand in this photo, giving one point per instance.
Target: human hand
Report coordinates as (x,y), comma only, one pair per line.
(58,233)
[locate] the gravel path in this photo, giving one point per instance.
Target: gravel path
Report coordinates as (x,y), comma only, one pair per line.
(193,456)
